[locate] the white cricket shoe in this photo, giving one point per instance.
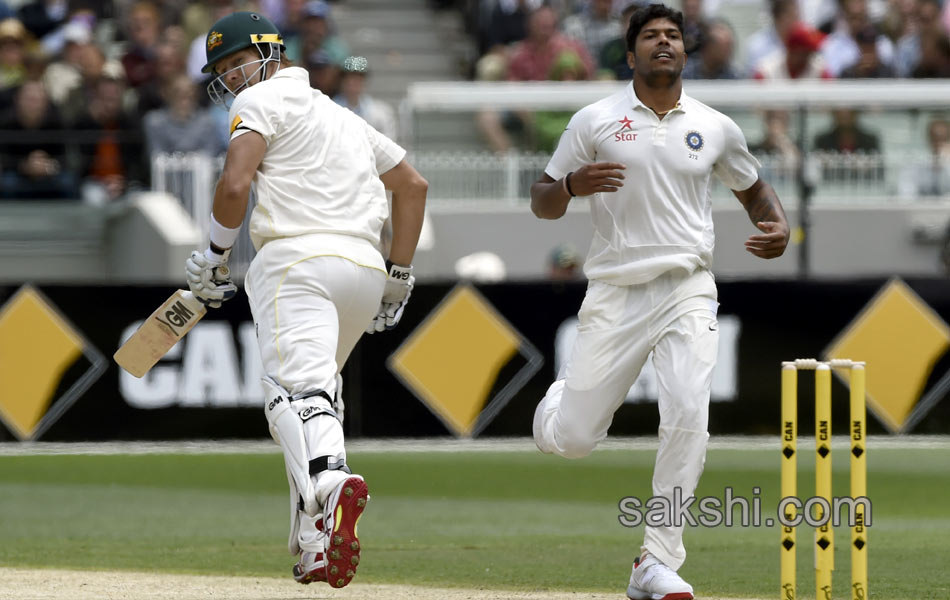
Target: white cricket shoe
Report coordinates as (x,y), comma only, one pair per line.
(653,580)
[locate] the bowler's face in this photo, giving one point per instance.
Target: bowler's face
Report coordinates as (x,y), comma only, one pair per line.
(659,49)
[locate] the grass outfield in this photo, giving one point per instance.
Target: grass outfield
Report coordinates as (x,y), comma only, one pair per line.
(506,520)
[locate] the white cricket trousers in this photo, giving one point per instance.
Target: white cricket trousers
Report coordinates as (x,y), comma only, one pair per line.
(310,310)
(674,316)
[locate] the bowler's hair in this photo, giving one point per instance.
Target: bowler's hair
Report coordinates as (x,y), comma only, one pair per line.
(645,14)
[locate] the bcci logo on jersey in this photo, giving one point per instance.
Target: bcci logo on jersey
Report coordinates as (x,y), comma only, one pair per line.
(694,141)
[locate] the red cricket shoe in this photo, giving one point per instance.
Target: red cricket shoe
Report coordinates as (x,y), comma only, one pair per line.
(310,568)
(343,510)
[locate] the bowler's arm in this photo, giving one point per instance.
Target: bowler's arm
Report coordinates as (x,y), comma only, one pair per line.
(409,190)
(245,154)
(549,198)
(765,211)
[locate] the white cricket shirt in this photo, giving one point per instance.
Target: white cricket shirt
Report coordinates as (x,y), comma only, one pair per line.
(320,173)
(661,219)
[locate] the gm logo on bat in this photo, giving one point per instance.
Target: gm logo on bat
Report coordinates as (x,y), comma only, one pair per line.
(176,317)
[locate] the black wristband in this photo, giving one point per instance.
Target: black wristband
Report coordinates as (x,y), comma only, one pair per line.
(567,184)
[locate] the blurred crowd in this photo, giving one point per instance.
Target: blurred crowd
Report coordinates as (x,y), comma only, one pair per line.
(557,40)
(90,89)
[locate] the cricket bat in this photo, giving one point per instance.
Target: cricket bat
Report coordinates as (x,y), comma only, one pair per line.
(162,330)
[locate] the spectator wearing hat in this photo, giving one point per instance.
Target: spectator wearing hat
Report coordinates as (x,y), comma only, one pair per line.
(315,33)
(325,73)
(63,75)
(869,63)
(354,97)
(801,58)
(564,263)
(841,49)
(32,152)
(13,38)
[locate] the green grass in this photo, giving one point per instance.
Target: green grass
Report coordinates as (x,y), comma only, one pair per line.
(515,520)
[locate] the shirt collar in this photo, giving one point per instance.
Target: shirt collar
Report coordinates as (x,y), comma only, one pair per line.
(294,73)
(636,103)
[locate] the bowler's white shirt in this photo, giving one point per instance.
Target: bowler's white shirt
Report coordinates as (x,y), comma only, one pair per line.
(661,219)
(320,173)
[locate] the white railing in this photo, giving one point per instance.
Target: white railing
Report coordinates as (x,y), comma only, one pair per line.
(192,178)
(501,181)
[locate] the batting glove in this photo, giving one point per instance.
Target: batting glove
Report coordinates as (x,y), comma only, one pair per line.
(395,296)
(209,277)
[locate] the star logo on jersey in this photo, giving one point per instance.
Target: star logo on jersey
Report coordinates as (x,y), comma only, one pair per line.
(626,131)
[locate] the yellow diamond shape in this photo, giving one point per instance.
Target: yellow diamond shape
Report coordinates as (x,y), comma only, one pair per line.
(36,348)
(900,338)
(452,360)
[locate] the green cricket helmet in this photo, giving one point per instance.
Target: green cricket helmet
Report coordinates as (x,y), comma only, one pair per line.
(236,32)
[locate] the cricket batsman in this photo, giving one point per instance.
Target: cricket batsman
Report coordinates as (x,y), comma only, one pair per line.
(645,156)
(319,279)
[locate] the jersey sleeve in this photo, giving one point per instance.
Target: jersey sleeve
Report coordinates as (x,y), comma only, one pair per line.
(258,112)
(387,152)
(575,148)
(736,167)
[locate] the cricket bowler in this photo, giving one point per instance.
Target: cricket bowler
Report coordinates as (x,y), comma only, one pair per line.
(319,279)
(644,157)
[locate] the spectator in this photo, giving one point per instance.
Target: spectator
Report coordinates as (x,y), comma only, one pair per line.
(325,74)
(197,54)
(906,24)
(533,57)
(507,24)
(931,178)
(169,63)
(316,33)
(770,39)
(144,23)
(869,64)
(13,38)
(714,60)
(693,25)
(777,151)
(354,97)
(841,50)
(41,17)
(934,56)
(110,144)
(594,27)
(563,263)
(547,126)
(64,75)
(850,151)
(183,126)
(32,153)
(93,66)
(801,58)
(613,57)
